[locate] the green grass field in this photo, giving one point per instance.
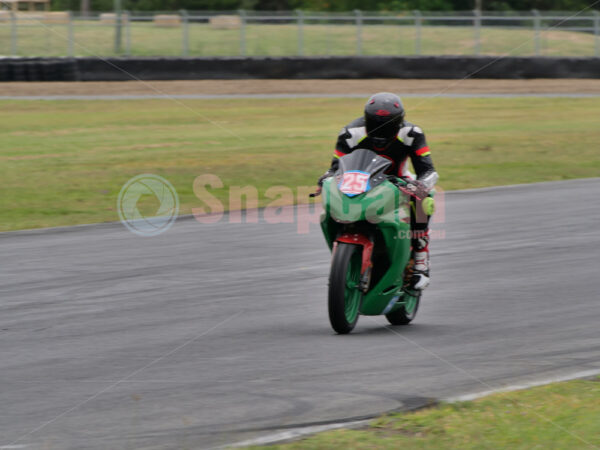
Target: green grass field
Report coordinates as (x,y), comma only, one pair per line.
(96,39)
(557,416)
(64,162)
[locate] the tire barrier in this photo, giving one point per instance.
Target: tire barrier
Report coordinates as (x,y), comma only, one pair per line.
(414,67)
(38,69)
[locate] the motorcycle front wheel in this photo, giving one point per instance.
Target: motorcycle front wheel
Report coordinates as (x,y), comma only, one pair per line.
(344,293)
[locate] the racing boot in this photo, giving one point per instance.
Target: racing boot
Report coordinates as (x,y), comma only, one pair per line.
(420,276)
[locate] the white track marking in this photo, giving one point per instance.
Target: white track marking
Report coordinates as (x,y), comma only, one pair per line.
(296,433)
(522,386)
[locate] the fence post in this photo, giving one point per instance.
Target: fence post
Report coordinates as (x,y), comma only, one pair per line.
(536,30)
(418,23)
(185,37)
(70,38)
(118,26)
(300,15)
(359,21)
(49,28)
(477,31)
(328,36)
(13,34)
(127,16)
(597,30)
(242,14)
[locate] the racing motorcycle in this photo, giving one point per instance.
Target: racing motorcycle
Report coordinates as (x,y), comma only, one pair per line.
(366,223)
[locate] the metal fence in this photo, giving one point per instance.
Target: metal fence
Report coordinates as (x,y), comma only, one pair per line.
(254,33)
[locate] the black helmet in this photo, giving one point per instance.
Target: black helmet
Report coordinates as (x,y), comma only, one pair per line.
(384,115)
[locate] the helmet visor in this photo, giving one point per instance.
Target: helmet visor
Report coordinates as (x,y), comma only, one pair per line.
(382,128)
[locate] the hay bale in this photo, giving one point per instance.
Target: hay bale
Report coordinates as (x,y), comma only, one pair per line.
(29,18)
(167,20)
(224,22)
(56,17)
(111,18)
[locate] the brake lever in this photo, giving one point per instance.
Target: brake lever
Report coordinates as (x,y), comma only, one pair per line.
(402,187)
(409,193)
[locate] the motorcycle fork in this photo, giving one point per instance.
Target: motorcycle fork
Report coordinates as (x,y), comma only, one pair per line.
(367,264)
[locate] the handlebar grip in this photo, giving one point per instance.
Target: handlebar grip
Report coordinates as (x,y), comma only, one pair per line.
(396,181)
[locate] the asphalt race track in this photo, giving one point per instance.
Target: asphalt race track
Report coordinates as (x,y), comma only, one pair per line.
(212,334)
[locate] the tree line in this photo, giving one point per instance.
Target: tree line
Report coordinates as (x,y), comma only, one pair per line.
(325,5)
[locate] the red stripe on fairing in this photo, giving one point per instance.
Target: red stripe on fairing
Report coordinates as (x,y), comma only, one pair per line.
(422,150)
(336,152)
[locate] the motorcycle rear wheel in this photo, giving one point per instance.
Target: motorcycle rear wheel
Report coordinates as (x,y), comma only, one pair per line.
(404,315)
(344,293)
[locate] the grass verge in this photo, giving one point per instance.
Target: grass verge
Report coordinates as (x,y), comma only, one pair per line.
(64,162)
(557,416)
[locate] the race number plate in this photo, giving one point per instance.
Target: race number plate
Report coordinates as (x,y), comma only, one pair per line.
(354,183)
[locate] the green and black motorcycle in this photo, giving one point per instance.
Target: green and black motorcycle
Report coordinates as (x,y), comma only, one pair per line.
(366,223)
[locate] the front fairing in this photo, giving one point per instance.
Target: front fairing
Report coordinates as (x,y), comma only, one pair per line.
(379,204)
(377,201)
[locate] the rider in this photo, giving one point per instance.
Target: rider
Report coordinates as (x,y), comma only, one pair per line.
(383,130)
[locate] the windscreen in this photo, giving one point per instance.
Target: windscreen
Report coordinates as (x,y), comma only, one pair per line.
(360,171)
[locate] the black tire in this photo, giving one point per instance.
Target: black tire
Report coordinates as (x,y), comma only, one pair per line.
(401,316)
(344,301)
